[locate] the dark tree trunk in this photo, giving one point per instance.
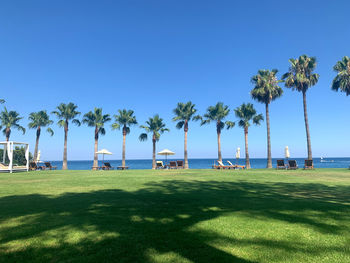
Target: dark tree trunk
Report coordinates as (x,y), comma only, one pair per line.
(123,152)
(185,145)
(154,152)
(247,162)
(95,164)
(269,159)
(38,131)
(309,151)
(218,131)
(65,165)
(8,133)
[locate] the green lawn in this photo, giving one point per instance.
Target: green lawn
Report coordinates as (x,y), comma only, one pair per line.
(175,216)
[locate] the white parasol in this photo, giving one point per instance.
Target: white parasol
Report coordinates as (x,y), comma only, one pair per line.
(166,152)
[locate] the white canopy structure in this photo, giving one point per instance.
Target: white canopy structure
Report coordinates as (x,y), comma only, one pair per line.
(7,164)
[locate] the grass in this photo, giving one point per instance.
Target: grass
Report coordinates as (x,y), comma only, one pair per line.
(175,216)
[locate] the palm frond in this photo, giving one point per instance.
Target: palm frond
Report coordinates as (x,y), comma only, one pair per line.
(143,137)
(76,122)
(49,130)
(230,124)
(115,126)
(180,124)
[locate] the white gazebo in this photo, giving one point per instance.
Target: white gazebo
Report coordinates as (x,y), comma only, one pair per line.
(7,165)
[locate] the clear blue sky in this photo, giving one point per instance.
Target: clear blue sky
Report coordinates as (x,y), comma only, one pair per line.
(149,55)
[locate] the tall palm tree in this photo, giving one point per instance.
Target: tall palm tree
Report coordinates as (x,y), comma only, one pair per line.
(300,77)
(184,113)
(124,118)
(37,121)
(246,113)
(217,114)
(66,113)
(8,120)
(156,127)
(342,80)
(265,91)
(97,120)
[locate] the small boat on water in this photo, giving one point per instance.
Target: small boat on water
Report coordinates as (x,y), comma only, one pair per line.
(326,161)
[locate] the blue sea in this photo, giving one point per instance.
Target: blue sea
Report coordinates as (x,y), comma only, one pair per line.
(256,163)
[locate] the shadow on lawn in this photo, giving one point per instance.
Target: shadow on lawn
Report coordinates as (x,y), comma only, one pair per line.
(120,226)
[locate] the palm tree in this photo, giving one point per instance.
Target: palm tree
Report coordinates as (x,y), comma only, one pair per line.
(156,126)
(300,77)
(184,113)
(342,80)
(265,91)
(247,113)
(217,114)
(97,120)
(124,118)
(37,121)
(8,120)
(66,113)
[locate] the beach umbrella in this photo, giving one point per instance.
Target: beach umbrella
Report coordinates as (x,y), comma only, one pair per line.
(38,156)
(286,152)
(103,152)
(238,153)
(166,152)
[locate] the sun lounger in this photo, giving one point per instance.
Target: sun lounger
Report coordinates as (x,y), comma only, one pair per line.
(33,167)
(220,166)
(180,164)
(107,166)
(232,166)
(292,165)
(3,166)
(309,164)
(49,166)
(172,165)
(235,166)
(122,167)
(160,165)
(281,164)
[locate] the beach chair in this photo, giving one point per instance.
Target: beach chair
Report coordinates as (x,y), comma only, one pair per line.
(172,165)
(107,166)
(160,165)
(236,166)
(180,164)
(3,166)
(309,164)
(49,166)
(220,166)
(231,166)
(292,165)
(33,167)
(281,164)
(122,167)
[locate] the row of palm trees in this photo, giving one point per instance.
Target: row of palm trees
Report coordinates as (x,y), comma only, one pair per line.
(300,77)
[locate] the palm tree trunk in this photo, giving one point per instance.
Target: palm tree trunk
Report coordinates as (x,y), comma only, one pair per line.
(65,165)
(154,152)
(95,164)
(309,151)
(269,159)
(8,133)
(38,131)
(185,145)
(123,153)
(218,130)
(247,162)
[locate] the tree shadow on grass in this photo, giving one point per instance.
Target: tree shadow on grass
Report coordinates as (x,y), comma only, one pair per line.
(119,226)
